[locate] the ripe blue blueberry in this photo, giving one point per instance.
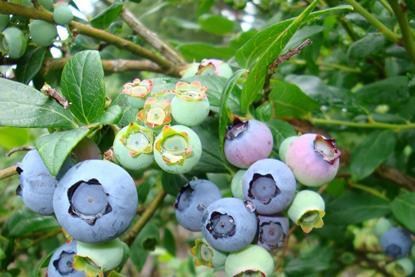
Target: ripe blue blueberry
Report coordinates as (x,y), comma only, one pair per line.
(396,242)
(192,201)
(247,142)
(61,262)
(272,231)
(95,201)
(37,185)
(229,224)
(270,185)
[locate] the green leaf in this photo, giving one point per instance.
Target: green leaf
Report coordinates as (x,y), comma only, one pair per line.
(111,116)
(280,131)
(371,153)
(316,260)
(25,223)
(55,147)
(258,71)
(42,264)
(290,100)
(199,51)
(403,209)
(24,106)
(352,208)
(172,183)
(138,256)
(257,45)
(13,137)
(30,64)
(149,236)
(388,91)
(169,242)
(106,17)
(371,43)
(302,34)
(82,84)
(223,107)
(216,24)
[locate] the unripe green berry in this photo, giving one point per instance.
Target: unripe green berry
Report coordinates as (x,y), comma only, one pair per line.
(4,20)
(62,14)
(42,33)
(381,226)
(106,255)
(253,259)
(47,4)
(236,184)
(401,267)
(14,42)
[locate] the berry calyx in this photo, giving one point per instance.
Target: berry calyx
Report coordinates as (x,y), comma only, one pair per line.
(156,112)
(206,255)
(137,88)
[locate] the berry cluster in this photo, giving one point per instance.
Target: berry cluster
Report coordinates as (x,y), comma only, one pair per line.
(240,233)
(14,39)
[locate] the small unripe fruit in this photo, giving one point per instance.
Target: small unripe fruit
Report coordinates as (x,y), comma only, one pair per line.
(47,4)
(4,20)
(156,112)
(62,14)
(177,149)
(14,42)
(381,226)
(190,105)
(206,255)
(251,261)
(133,147)
(307,210)
(42,33)
(106,255)
(206,67)
(236,184)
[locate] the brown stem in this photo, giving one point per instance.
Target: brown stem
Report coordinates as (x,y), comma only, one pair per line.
(117,65)
(7,172)
(144,218)
(152,38)
(53,93)
(18,149)
(397,177)
(76,27)
(281,59)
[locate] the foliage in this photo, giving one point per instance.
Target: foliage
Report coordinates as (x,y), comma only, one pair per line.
(355,83)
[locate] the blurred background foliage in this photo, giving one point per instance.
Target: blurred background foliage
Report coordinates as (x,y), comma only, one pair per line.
(353,82)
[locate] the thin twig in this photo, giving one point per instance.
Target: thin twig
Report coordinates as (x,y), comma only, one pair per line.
(397,177)
(402,17)
(117,65)
(7,172)
(53,93)
(18,149)
(145,217)
(152,38)
(77,27)
(281,59)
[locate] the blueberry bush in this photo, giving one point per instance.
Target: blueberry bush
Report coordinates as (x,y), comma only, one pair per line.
(207,138)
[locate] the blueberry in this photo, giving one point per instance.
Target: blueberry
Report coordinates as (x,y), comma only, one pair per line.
(307,210)
(192,201)
(37,185)
(190,105)
(270,185)
(251,261)
(247,142)
(382,225)
(236,184)
(106,255)
(14,42)
(314,159)
(272,231)
(42,33)
(177,149)
(206,255)
(62,14)
(95,201)
(396,242)
(47,4)
(60,263)
(133,147)
(208,67)
(228,224)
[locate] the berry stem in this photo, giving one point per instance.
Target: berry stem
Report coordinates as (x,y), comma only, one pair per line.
(117,65)
(77,27)
(7,172)
(368,125)
(145,217)
(388,33)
